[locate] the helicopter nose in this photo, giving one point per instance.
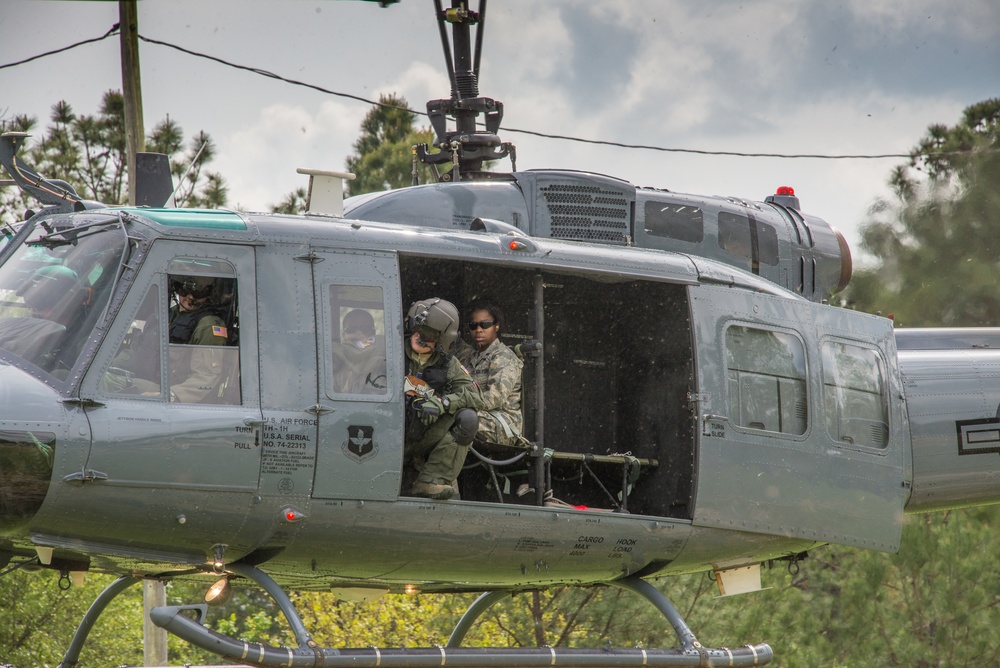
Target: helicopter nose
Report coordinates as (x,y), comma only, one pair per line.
(31,416)
(25,471)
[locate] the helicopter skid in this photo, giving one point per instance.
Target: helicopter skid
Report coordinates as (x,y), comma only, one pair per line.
(689,653)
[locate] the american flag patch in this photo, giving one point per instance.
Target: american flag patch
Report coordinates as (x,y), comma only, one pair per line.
(219,331)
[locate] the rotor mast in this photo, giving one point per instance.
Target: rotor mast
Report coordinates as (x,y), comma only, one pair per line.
(467,146)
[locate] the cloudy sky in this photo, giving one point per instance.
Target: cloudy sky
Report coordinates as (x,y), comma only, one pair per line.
(758,76)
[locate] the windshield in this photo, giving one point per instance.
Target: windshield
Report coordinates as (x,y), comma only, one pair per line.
(53,289)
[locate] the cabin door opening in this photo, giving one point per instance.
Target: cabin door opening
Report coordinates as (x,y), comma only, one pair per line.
(614,377)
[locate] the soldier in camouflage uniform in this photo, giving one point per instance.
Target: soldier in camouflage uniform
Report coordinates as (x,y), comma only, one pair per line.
(497,372)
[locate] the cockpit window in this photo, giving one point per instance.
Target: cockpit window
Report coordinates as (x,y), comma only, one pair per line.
(53,290)
(203,326)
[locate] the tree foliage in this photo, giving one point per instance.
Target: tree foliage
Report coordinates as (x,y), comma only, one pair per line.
(89,153)
(936,243)
(383,158)
(384,149)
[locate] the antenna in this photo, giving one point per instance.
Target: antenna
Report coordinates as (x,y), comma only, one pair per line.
(466,147)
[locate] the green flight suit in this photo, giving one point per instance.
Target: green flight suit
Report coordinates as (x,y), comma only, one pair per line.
(437,455)
(197,372)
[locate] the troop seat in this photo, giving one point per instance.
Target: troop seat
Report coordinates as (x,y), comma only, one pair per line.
(525,458)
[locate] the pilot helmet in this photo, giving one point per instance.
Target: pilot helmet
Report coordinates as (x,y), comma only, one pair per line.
(48,286)
(198,287)
(435,317)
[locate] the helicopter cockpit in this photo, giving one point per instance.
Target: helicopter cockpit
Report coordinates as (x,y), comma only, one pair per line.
(54,289)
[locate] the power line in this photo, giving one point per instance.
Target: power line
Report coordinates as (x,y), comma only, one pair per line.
(600,142)
(265,73)
(109,33)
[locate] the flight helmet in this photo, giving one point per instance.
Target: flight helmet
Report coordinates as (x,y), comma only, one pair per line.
(199,287)
(49,287)
(435,319)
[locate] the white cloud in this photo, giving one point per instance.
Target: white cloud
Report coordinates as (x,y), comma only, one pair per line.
(259,159)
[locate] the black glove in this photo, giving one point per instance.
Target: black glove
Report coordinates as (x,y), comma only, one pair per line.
(431,409)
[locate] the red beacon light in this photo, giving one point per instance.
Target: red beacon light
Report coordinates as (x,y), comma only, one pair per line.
(784,196)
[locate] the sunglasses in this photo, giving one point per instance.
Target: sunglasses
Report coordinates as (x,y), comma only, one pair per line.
(482,324)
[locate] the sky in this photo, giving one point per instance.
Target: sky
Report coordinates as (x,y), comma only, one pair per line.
(858,77)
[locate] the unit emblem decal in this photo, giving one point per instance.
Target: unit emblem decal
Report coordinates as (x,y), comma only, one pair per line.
(360,444)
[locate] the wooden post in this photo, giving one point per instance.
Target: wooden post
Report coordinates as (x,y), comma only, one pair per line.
(135,134)
(154,645)
(154,639)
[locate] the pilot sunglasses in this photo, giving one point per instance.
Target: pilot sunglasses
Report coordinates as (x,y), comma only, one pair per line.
(482,324)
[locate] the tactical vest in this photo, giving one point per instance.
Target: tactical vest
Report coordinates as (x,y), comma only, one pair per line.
(183,326)
(436,375)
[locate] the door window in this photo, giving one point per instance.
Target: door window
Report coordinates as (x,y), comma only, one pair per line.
(357,317)
(767,380)
(855,403)
(135,368)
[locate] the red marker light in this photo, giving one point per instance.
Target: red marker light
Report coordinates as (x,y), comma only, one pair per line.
(516,244)
(785,190)
(292,515)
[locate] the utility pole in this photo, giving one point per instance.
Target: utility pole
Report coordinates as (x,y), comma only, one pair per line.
(154,593)
(135,134)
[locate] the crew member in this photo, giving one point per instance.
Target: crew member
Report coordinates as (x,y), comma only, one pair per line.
(496,370)
(53,300)
(441,397)
(196,373)
(359,358)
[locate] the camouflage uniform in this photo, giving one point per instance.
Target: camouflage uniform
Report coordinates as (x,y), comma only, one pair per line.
(497,372)
(444,456)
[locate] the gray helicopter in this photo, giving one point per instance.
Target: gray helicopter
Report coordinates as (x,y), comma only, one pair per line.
(690,402)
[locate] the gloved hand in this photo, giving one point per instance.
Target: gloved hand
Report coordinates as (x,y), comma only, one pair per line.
(431,409)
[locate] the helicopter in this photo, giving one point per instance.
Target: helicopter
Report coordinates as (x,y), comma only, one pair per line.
(692,401)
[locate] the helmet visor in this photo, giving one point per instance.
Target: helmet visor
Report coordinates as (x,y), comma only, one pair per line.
(429,335)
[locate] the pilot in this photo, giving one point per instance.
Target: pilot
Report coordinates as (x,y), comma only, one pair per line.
(359,358)
(496,370)
(195,319)
(51,292)
(441,398)
(54,299)
(196,373)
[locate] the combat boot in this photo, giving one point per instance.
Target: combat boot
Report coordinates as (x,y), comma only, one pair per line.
(432,490)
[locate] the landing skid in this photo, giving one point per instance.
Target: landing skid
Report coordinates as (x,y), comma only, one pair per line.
(173,619)
(72,655)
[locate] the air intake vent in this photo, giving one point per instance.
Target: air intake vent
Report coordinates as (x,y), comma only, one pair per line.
(587,213)
(880,434)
